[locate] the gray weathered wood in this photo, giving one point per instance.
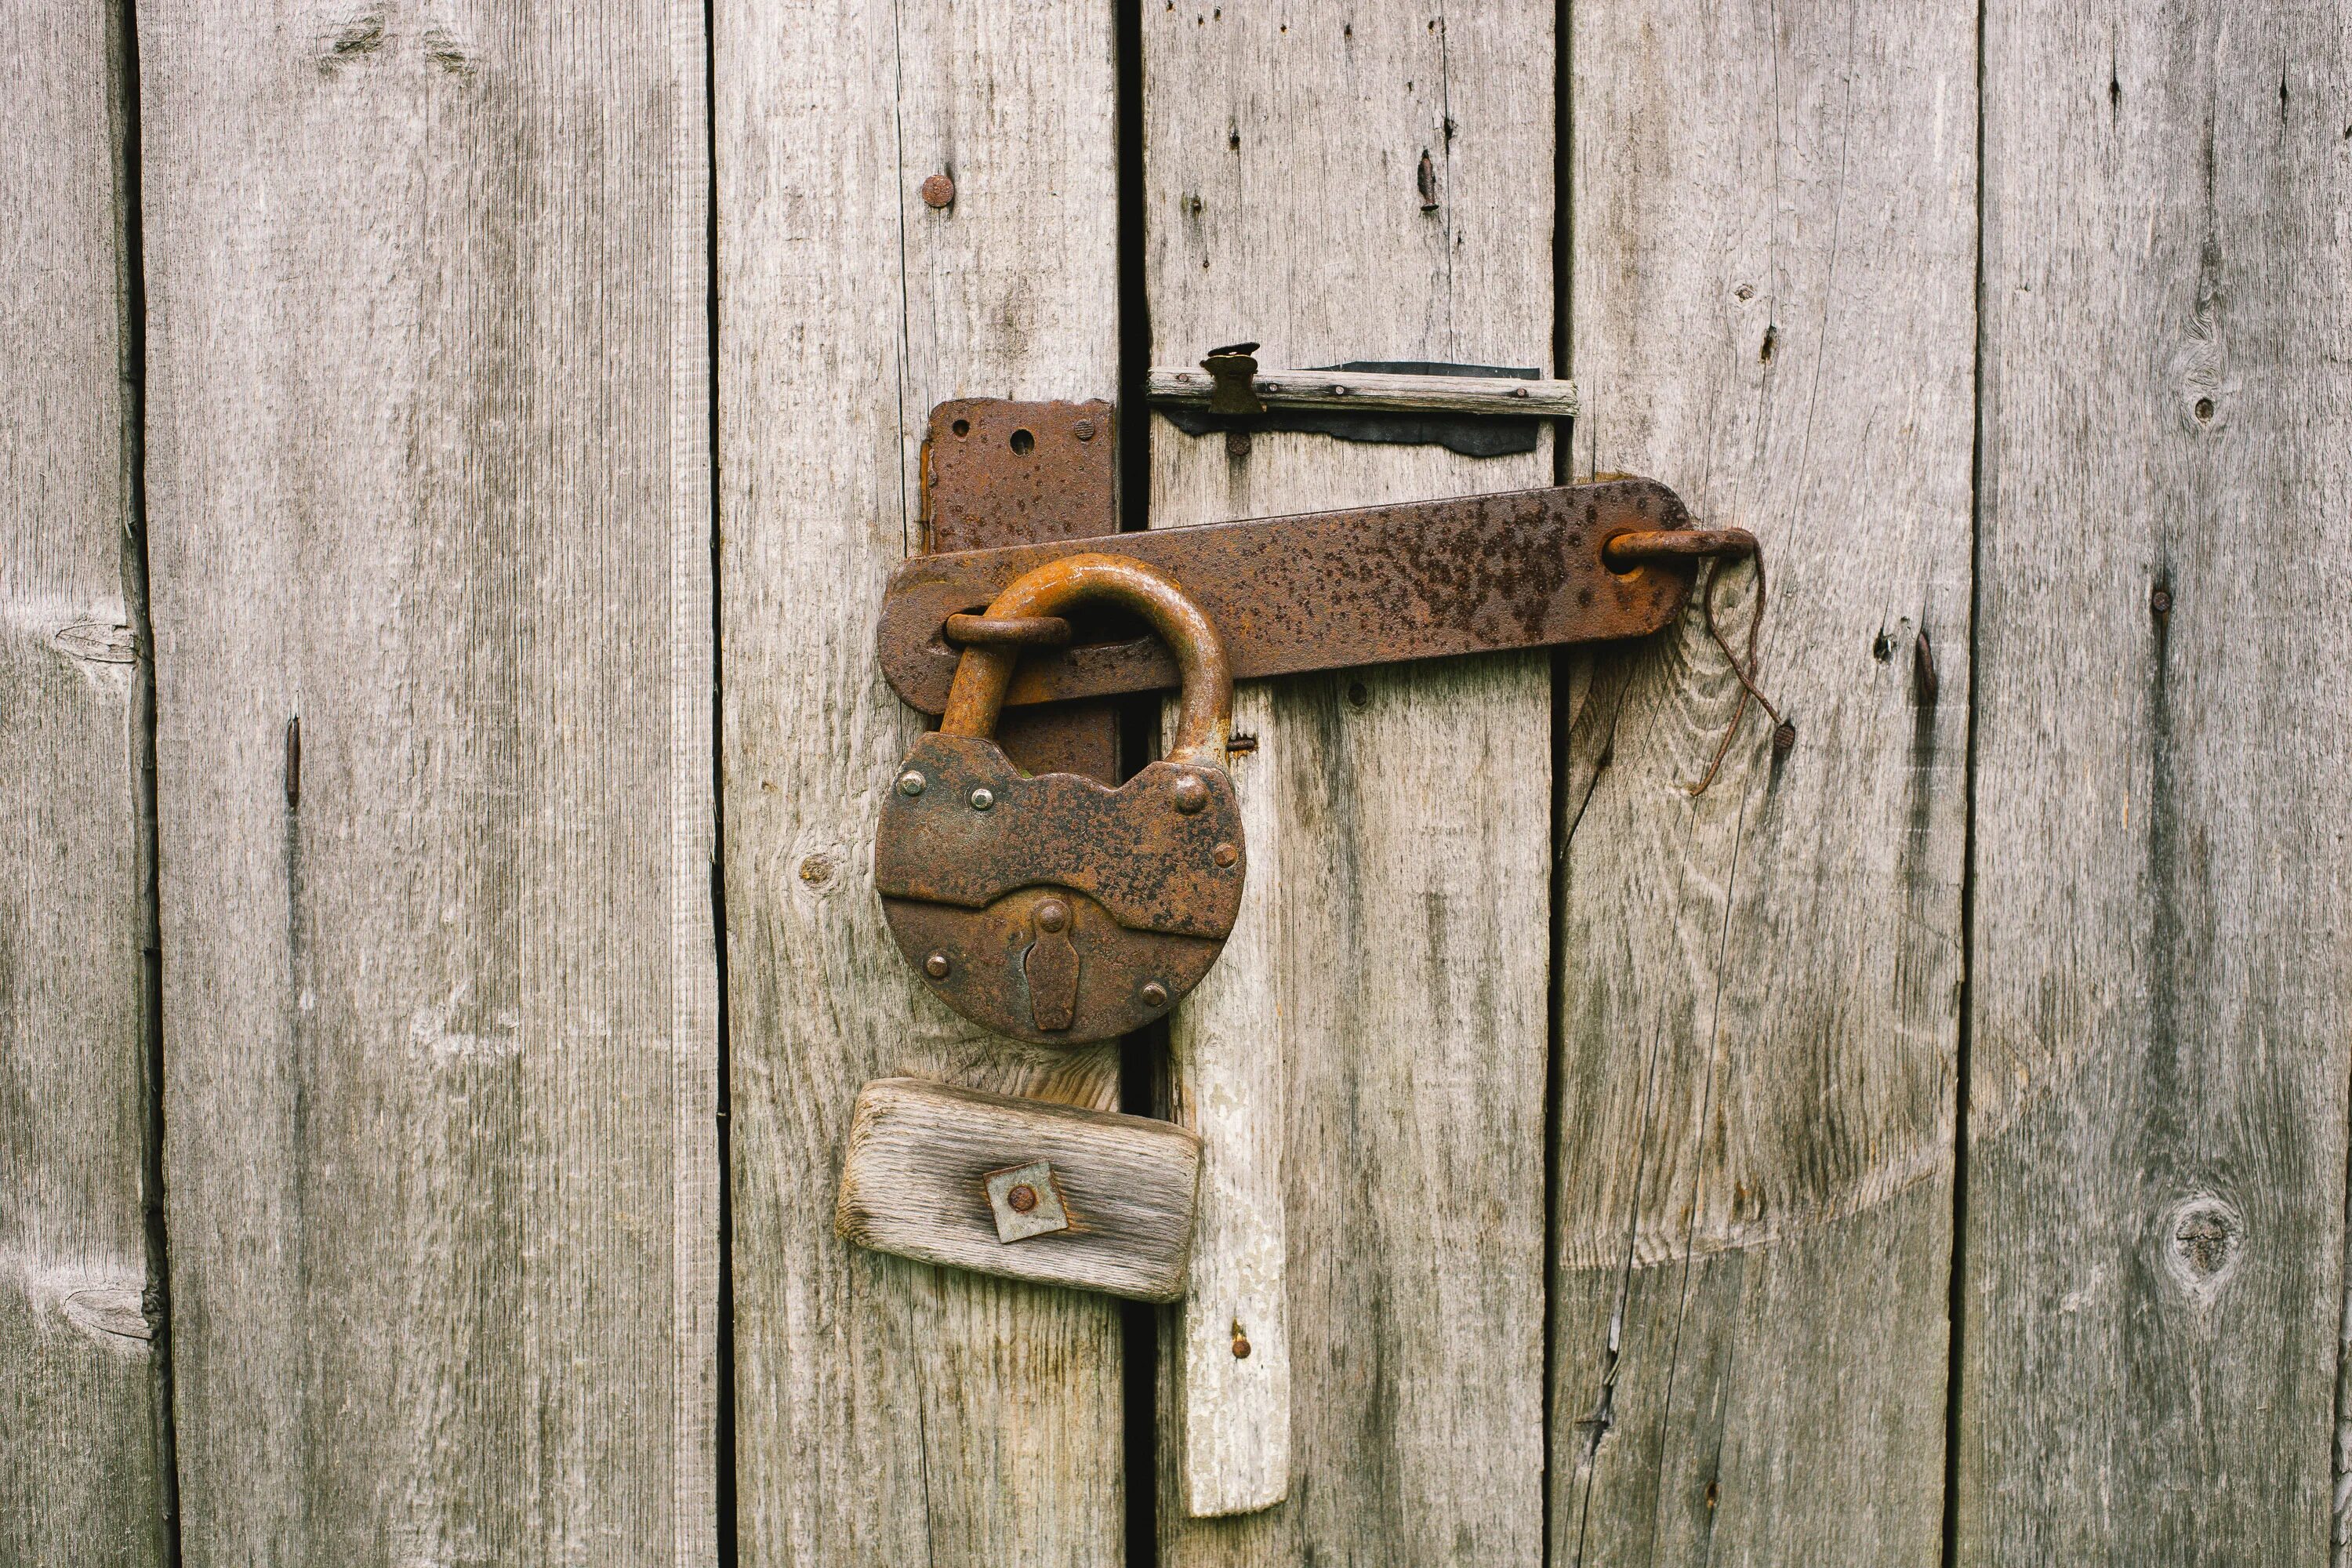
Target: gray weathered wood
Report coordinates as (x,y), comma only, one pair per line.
(428,477)
(78,1475)
(1367,389)
(1771,304)
(913,1183)
(1226,1056)
(1283,202)
(887,1412)
(2162,1003)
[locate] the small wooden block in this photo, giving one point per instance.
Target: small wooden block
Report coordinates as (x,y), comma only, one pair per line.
(916,1182)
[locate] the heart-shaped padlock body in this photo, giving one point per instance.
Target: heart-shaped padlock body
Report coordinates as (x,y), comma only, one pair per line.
(1053,908)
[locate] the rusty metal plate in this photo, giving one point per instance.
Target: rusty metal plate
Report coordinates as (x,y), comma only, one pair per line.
(997,472)
(984,486)
(1327,590)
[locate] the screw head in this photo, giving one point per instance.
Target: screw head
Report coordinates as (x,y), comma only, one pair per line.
(1053,914)
(1154,993)
(983,798)
(1190,794)
(937,967)
(1224,854)
(911,784)
(1022,1199)
(939,190)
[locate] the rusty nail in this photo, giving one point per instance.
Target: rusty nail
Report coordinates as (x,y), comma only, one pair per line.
(2160,601)
(1784,738)
(1154,993)
(1052,915)
(1923,669)
(1224,854)
(1240,1345)
(1191,793)
(939,190)
(983,798)
(1426,178)
(1022,1199)
(910,782)
(935,966)
(1237,443)
(1084,430)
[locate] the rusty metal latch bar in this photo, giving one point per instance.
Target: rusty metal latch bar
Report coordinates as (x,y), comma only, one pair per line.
(1328,590)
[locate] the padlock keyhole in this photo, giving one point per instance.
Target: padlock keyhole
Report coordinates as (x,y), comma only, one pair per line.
(1051,965)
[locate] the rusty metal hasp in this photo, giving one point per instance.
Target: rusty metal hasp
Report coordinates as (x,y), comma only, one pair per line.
(1059,909)
(1327,590)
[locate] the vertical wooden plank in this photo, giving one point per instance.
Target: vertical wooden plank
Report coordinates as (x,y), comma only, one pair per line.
(1227,1056)
(2163,995)
(887,1412)
(430,520)
(79,1479)
(1408,923)
(1771,281)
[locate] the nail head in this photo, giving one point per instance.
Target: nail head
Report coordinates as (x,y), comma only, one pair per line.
(939,190)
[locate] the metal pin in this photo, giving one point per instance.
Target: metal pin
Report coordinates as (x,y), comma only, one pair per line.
(910,784)
(983,798)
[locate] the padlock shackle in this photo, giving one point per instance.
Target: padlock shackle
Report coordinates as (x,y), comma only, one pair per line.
(1206,712)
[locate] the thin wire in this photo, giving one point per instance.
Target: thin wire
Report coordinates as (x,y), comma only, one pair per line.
(1784,735)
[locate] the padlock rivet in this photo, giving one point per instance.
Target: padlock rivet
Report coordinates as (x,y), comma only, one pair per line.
(982,799)
(1191,793)
(1052,915)
(935,966)
(1154,993)
(910,782)
(1224,854)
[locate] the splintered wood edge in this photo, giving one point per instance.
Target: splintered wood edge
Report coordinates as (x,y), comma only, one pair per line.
(1382,389)
(912,1183)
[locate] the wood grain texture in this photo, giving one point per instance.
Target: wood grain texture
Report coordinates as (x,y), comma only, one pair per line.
(888,1413)
(914,1182)
(1405,959)
(2163,996)
(1771,308)
(430,544)
(79,1416)
(1226,1056)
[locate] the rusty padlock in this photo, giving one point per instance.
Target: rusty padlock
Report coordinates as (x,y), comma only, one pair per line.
(1056,909)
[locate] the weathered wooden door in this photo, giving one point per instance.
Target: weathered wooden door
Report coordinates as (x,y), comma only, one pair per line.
(452,456)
